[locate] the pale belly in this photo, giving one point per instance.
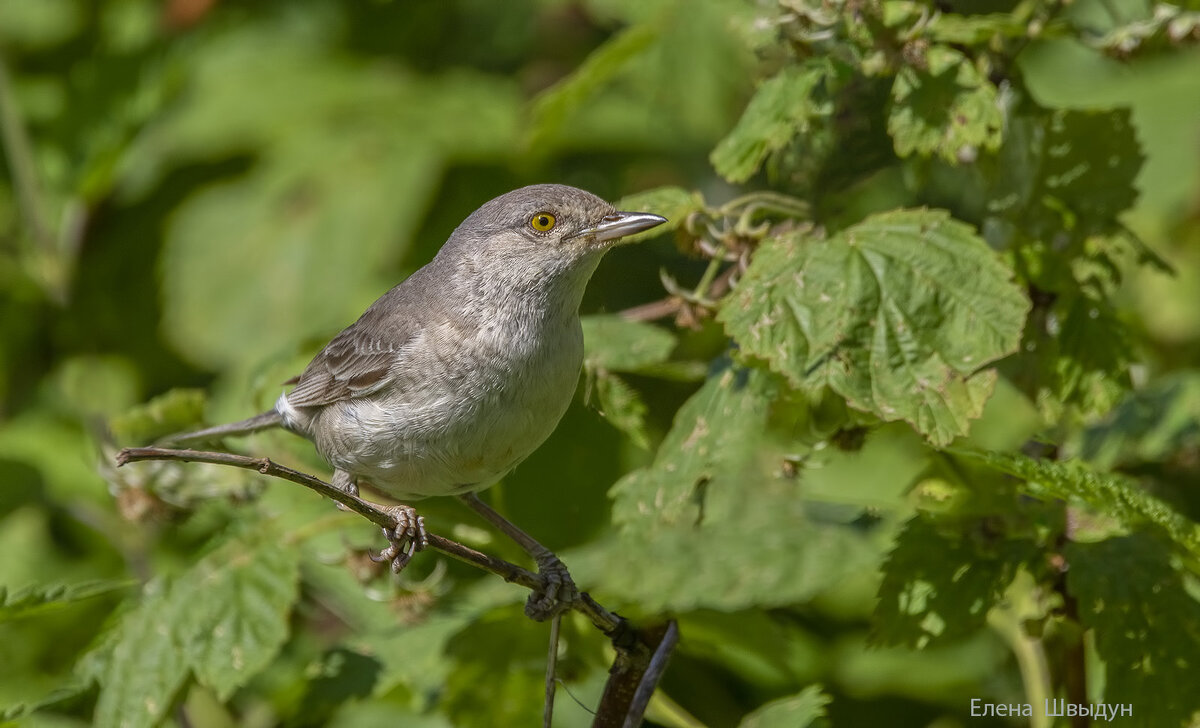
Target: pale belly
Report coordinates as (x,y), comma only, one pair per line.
(452,426)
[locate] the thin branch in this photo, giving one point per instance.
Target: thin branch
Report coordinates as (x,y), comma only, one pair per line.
(654,673)
(625,678)
(551,671)
(613,626)
(654,310)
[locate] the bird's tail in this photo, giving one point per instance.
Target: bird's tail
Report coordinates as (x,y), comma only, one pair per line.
(265,421)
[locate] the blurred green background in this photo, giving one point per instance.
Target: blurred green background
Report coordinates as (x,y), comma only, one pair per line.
(199,193)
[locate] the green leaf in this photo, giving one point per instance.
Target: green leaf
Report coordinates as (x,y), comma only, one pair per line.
(712,443)
(174,411)
(718,476)
(144,665)
(783,107)
(613,343)
(553,107)
(233,607)
(1146,624)
(974,29)
(946,108)
(897,314)
(1075,356)
(1153,424)
(623,407)
(925,600)
(673,203)
(801,710)
(73,689)
(45,597)
(223,619)
(1111,494)
(1064,171)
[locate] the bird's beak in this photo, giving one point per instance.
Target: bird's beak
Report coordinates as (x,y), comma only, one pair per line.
(619,224)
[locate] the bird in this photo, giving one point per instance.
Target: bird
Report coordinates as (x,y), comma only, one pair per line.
(453,377)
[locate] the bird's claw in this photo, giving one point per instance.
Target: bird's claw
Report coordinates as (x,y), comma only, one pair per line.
(556,594)
(406,539)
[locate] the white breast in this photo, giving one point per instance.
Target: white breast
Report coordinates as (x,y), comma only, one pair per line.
(458,416)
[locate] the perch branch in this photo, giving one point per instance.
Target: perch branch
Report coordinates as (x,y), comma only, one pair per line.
(613,626)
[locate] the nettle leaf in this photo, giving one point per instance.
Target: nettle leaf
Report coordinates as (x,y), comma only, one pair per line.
(801,710)
(718,476)
(1111,494)
(784,106)
(947,108)
(924,600)
(1152,424)
(223,620)
(1146,623)
(897,314)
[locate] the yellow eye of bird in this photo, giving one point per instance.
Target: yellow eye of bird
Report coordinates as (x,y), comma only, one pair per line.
(543,222)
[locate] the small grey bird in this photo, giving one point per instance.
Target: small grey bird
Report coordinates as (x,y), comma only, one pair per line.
(457,374)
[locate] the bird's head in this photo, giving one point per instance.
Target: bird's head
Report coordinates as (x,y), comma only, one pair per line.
(534,234)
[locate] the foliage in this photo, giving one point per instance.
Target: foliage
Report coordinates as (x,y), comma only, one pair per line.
(898,411)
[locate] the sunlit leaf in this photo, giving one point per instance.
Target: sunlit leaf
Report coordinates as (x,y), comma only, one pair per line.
(145,665)
(223,620)
(552,107)
(673,203)
(234,606)
(801,710)
(898,314)
(783,107)
(946,108)
(1112,494)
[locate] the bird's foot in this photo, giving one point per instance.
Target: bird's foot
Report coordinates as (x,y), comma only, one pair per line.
(557,593)
(406,539)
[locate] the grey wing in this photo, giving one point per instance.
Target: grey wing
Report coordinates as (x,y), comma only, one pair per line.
(352,365)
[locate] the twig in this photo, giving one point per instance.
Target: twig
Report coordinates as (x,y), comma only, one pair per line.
(672,305)
(551,671)
(654,310)
(654,673)
(613,626)
(625,678)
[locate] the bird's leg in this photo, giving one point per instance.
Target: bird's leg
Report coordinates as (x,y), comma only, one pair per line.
(406,539)
(345,482)
(558,591)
